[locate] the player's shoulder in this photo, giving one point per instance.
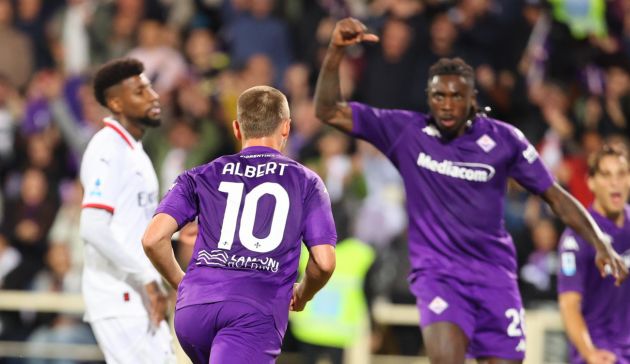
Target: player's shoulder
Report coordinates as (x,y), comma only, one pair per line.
(499,128)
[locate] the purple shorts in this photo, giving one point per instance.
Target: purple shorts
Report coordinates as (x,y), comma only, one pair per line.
(491,317)
(622,352)
(227,332)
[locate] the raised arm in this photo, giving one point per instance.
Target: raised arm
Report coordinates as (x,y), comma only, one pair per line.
(575,216)
(329,106)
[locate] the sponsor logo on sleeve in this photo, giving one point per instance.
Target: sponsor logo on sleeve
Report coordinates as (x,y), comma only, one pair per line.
(568,264)
(96,191)
(569,243)
(530,154)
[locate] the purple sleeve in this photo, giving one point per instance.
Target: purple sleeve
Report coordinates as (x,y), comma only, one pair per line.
(181,201)
(527,168)
(381,127)
(318,226)
(574,255)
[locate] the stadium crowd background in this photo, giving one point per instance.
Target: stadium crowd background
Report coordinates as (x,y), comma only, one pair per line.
(558,70)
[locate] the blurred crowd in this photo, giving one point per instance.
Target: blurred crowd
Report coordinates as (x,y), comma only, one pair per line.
(557,69)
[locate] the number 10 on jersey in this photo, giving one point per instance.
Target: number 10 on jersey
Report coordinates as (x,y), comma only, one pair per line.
(234,192)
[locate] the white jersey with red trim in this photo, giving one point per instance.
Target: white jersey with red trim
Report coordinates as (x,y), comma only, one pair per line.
(117,176)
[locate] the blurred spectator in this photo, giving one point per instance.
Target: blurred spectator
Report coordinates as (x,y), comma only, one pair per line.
(65,227)
(388,75)
(32,214)
(381,217)
(538,276)
(10,258)
(31,20)
(53,328)
(254,30)
(70,31)
(17,64)
(164,65)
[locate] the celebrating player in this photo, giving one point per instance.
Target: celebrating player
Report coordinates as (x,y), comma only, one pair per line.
(124,301)
(455,163)
(596,314)
(254,209)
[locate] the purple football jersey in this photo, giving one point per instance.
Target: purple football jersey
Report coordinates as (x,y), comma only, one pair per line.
(606,308)
(455,190)
(254,209)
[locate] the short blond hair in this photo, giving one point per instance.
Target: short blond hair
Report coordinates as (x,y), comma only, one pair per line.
(260,110)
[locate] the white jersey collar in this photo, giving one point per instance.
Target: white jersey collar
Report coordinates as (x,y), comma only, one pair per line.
(120,130)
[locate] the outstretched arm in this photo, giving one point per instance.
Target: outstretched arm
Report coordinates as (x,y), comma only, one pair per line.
(575,216)
(329,107)
(571,310)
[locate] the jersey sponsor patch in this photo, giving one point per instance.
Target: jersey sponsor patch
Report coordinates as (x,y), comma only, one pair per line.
(95,191)
(530,154)
(569,243)
(475,172)
(438,305)
(568,264)
(486,143)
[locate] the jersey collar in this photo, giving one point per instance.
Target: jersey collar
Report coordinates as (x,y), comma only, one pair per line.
(120,130)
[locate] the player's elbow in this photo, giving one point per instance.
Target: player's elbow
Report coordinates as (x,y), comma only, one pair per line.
(324,113)
(150,240)
(324,258)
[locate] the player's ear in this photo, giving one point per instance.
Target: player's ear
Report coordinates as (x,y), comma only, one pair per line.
(114,104)
(237,130)
(285,128)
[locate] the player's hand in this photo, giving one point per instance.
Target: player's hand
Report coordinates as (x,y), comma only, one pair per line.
(601,356)
(350,31)
(157,303)
(609,262)
(298,301)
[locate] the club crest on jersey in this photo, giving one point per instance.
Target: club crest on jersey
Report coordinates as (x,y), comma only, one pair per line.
(96,189)
(438,305)
(486,143)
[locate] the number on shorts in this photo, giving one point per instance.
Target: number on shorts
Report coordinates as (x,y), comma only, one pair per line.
(234,191)
(517,323)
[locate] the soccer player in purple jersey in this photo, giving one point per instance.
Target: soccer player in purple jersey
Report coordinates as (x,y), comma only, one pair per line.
(254,209)
(596,314)
(455,163)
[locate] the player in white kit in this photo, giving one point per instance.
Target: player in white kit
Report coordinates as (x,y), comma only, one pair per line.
(123,293)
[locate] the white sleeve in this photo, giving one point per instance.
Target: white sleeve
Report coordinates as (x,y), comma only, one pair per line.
(95,231)
(101,177)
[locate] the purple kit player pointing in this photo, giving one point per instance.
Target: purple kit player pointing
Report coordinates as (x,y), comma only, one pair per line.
(455,164)
(596,314)
(254,209)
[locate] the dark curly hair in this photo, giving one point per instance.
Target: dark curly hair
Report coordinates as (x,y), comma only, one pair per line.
(112,73)
(453,66)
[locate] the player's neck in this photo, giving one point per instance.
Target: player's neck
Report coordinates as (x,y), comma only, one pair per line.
(134,129)
(269,142)
(616,217)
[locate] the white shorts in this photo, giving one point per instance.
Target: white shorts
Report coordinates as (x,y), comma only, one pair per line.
(129,340)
